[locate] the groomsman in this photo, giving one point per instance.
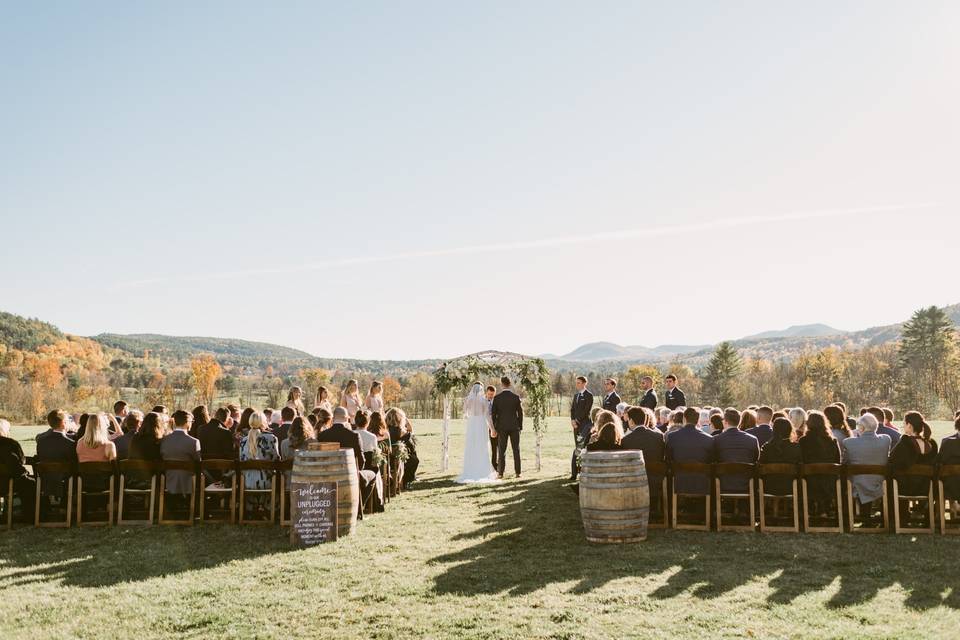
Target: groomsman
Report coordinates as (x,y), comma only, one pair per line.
(491,392)
(610,398)
(649,399)
(580,420)
(674,397)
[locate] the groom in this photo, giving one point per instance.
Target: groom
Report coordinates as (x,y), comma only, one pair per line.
(507,415)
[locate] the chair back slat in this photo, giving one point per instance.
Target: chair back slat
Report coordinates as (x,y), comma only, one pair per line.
(734,469)
(777,469)
(920,470)
(821,469)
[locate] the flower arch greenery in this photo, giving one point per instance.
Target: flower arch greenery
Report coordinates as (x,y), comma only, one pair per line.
(529,373)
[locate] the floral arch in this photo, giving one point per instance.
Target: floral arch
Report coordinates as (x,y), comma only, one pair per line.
(528,373)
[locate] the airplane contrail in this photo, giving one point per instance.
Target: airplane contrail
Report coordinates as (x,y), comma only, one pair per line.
(556,241)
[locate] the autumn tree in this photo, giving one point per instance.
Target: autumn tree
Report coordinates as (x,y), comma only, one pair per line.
(629,383)
(205,371)
(392,392)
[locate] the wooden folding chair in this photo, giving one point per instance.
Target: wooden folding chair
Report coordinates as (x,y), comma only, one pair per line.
(659,469)
(149,496)
(227,491)
(92,470)
(917,470)
(854,505)
(177,465)
(951,526)
(790,470)
(698,468)
(257,465)
(283,468)
(66,469)
(385,470)
(738,469)
(822,469)
(6,484)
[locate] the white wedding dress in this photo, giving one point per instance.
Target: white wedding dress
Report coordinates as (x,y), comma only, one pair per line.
(476,449)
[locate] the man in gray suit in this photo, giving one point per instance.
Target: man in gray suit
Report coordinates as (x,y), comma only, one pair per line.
(180,445)
(869,448)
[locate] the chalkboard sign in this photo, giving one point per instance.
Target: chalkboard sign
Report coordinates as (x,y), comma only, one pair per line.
(313,511)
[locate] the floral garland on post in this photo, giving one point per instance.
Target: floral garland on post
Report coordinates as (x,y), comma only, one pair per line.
(532,376)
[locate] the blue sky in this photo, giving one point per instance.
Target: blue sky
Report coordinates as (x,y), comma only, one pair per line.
(396,180)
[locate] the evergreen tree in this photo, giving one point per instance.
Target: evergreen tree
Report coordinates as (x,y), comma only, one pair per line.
(720,381)
(927,357)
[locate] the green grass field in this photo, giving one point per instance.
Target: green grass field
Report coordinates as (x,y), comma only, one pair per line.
(450,561)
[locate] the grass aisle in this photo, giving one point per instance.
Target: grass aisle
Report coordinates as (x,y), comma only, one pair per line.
(505,561)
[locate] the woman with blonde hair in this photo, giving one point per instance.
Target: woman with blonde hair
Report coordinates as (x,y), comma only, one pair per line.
(374,400)
(295,400)
(96,445)
(607,432)
(350,399)
(258,444)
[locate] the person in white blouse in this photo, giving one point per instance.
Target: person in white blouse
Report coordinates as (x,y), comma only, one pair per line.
(374,400)
(323,400)
(350,399)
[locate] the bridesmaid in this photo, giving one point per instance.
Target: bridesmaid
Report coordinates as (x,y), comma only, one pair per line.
(295,402)
(374,401)
(323,400)
(350,399)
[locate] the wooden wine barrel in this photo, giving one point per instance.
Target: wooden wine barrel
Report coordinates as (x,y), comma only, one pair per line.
(614,496)
(333,466)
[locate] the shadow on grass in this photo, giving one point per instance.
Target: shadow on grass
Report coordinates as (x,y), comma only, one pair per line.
(95,557)
(530,536)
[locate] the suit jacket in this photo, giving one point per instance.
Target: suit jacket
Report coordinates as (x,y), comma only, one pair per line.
(869,448)
(611,401)
(11,456)
(506,412)
(733,445)
(580,407)
(55,446)
(216,441)
(675,398)
(689,444)
(282,431)
(123,445)
(762,432)
(650,442)
(649,399)
(889,431)
(950,454)
(181,446)
(346,438)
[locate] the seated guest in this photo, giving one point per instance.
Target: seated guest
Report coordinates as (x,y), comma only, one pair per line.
(324,420)
(883,429)
(837,420)
(704,423)
(914,447)
(716,423)
(621,410)
(216,440)
(798,418)
(342,434)
(282,430)
(11,457)
(869,448)
(201,416)
(763,431)
(607,432)
(301,434)
(131,423)
(676,421)
(381,426)
(690,444)
(663,419)
(96,446)
(312,419)
(410,442)
(146,446)
(120,411)
(369,447)
(649,440)
(179,446)
(748,420)
(888,416)
(782,448)
(950,454)
(733,445)
(258,444)
(55,446)
(818,446)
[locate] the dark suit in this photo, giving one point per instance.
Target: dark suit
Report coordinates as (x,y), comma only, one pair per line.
(507,415)
(890,431)
(11,457)
(950,454)
(675,398)
(346,438)
(611,401)
(216,441)
(580,414)
(649,400)
(733,445)
(689,444)
(282,430)
(55,446)
(762,432)
(650,442)
(494,444)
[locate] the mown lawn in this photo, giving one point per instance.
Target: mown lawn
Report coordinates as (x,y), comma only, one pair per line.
(507,561)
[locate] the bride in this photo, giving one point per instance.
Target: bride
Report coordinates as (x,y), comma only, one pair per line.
(476,452)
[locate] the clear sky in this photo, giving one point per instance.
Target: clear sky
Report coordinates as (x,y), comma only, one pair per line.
(410,179)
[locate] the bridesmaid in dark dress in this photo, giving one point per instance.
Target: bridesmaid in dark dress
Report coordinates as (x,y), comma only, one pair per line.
(914,447)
